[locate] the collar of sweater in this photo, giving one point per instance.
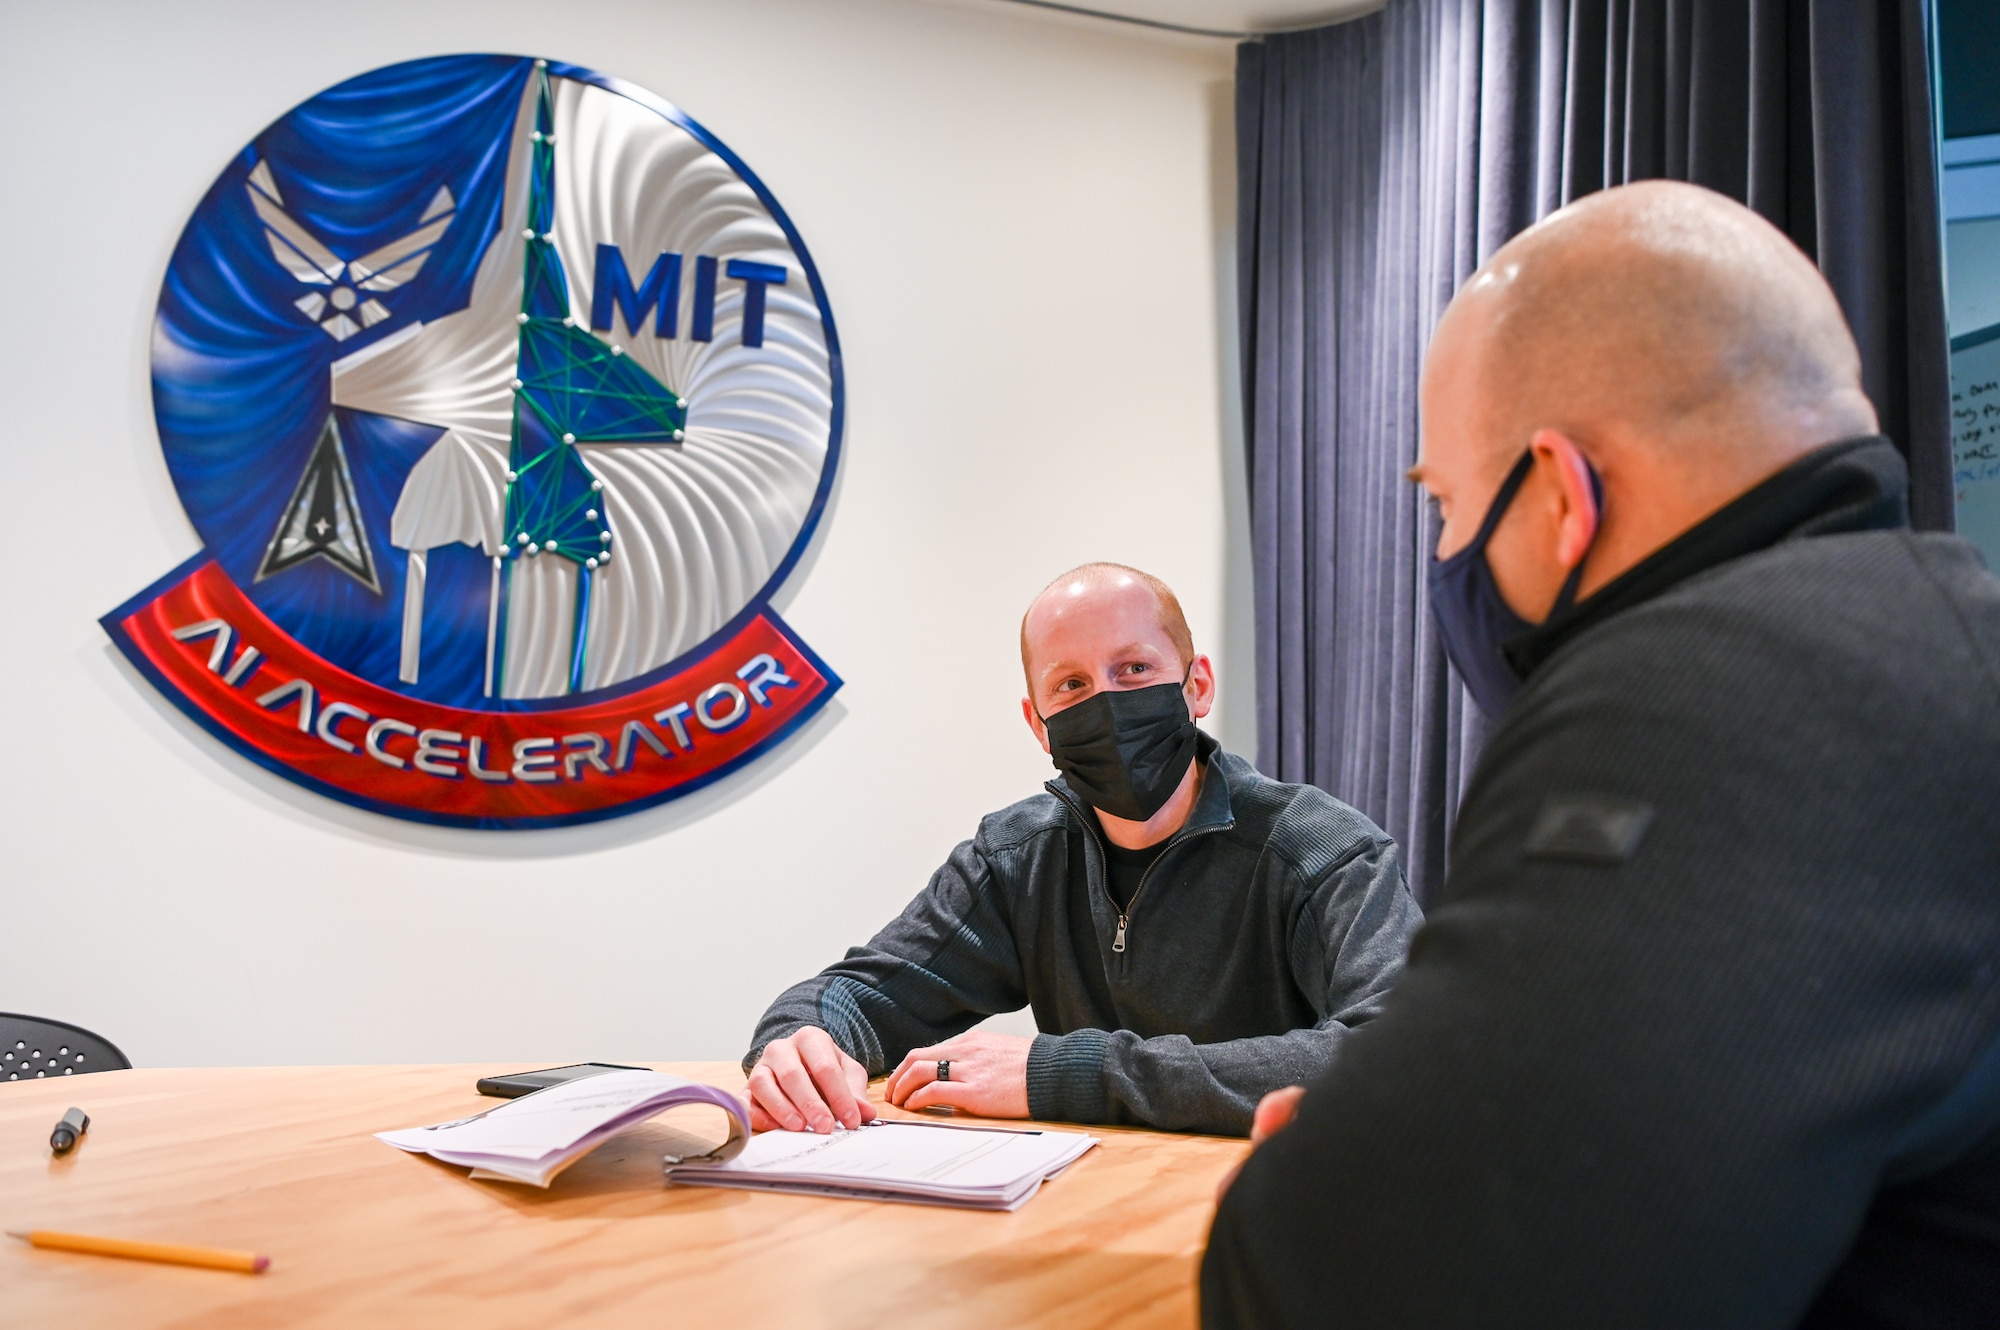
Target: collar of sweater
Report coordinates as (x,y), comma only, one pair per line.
(1854,485)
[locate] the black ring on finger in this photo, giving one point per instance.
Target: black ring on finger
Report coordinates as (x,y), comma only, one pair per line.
(944,1069)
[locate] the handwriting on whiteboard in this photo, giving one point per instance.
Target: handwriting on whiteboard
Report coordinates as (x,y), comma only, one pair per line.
(1975,416)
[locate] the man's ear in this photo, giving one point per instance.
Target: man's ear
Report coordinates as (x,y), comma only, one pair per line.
(1035,726)
(1580,518)
(1201,687)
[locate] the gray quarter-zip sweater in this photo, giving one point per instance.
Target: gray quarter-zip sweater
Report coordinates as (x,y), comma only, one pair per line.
(1271,924)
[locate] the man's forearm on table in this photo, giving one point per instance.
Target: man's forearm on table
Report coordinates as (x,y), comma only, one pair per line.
(1171,1082)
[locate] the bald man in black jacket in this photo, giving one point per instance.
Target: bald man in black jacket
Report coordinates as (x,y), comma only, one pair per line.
(1706,1029)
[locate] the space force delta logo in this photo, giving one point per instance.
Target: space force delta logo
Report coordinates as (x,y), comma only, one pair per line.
(502,397)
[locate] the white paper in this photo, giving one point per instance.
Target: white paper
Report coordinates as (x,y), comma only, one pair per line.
(979,1167)
(535,1137)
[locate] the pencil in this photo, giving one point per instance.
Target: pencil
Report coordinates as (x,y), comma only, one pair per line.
(173,1253)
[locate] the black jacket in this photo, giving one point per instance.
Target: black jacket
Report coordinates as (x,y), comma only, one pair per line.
(1272,922)
(1706,1030)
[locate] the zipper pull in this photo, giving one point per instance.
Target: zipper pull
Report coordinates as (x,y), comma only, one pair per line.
(1118,943)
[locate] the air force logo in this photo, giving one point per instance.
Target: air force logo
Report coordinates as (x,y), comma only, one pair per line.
(502,397)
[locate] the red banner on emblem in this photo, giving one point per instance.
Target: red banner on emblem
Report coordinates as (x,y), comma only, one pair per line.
(218,657)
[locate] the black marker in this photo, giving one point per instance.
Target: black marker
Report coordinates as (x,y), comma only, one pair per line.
(74,1124)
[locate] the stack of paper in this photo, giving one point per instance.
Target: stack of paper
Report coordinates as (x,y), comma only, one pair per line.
(535,1137)
(980,1168)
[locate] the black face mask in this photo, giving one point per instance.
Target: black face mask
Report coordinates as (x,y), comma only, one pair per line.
(1124,751)
(1473,619)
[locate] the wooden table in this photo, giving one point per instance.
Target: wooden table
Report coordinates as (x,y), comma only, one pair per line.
(281,1160)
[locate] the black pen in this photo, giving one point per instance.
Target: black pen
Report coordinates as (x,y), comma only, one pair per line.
(74,1124)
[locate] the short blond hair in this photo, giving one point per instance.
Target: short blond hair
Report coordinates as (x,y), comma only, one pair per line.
(1172,621)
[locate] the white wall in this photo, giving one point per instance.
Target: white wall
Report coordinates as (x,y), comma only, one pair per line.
(1023,224)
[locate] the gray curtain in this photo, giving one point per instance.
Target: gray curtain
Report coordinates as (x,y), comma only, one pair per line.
(1381,161)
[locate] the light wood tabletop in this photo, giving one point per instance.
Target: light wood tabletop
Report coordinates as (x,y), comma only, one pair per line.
(282,1161)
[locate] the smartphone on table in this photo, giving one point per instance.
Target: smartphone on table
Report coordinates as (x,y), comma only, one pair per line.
(527,1082)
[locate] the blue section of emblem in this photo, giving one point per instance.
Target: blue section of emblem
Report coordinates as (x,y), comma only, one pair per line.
(393,244)
(250,320)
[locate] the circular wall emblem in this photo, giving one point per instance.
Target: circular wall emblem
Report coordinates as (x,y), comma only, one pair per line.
(502,396)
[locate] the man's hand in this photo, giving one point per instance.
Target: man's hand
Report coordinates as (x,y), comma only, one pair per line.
(989,1075)
(1275,1112)
(804,1082)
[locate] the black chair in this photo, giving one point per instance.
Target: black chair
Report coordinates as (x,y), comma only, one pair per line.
(32,1048)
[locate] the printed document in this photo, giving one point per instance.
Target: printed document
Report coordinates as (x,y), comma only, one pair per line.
(981,1168)
(535,1137)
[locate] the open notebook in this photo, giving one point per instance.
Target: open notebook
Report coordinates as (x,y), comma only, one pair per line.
(979,1168)
(535,1137)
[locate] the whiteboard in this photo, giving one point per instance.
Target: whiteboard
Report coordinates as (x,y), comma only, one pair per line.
(1975,438)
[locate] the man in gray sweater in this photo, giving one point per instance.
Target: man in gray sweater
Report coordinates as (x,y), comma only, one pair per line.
(1190,934)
